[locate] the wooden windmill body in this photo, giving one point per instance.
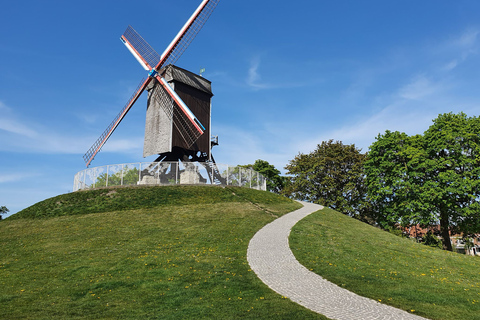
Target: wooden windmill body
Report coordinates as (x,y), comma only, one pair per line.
(164,134)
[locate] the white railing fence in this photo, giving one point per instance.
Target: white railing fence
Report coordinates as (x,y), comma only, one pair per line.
(168,173)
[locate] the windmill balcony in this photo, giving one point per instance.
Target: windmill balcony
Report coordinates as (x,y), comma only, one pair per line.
(168,173)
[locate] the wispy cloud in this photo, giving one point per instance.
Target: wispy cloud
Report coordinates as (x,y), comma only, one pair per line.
(133,144)
(256,81)
(9,123)
(15,177)
(254,78)
(420,87)
(467,39)
(459,48)
(411,104)
(24,135)
(242,146)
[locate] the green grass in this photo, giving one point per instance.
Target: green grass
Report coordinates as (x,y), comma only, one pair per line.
(128,198)
(140,253)
(425,281)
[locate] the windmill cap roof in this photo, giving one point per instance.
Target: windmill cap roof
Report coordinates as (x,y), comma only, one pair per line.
(174,73)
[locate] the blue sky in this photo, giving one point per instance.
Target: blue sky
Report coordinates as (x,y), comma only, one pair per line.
(286,76)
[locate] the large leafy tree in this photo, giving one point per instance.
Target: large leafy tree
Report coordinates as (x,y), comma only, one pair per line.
(428,179)
(331,175)
(393,177)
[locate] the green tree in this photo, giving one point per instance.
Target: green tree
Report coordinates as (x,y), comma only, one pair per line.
(275,182)
(332,175)
(393,165)
(452,181)
(429,179)
(3,210)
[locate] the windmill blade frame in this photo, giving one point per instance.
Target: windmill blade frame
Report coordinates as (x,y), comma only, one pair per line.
(140,49)
(98,144)
(186,35)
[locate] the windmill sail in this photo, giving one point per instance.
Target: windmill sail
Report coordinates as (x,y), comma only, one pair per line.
(187,33)
(97,146)
(140,49)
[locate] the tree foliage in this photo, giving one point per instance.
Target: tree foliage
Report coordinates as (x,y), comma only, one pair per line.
(3,210)
(332,175)
(126,176)
(275,182)
(389,167)
(428,179)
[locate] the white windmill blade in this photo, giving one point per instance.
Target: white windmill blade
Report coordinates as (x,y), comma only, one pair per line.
(140,49)
(186,35)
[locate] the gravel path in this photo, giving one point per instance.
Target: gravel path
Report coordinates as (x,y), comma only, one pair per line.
(270,257)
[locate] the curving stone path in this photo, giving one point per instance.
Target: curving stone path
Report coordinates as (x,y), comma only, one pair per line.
(270,257)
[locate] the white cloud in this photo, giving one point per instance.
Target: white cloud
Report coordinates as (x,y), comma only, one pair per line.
(15,177)
(241,146)
(255,80)
(451,65)
(467,39)
(134,144)
(17,135)
(458,49)
(9,123)
(409,107)
(419,88)
(362,132)
(254,77)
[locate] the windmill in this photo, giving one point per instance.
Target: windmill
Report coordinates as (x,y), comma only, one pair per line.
(172,130)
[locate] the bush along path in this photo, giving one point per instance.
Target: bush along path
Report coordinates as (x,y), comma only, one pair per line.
(270,257)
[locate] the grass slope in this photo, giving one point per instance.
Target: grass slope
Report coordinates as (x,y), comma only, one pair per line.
(133,253)
(396,271)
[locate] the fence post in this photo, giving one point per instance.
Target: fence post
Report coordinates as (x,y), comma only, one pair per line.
(106,180)
(139,172)
(121,179)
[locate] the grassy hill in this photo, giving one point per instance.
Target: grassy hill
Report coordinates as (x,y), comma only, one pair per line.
(179,252)
(140,253)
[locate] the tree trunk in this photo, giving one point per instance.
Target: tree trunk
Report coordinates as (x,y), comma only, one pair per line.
(444,230)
